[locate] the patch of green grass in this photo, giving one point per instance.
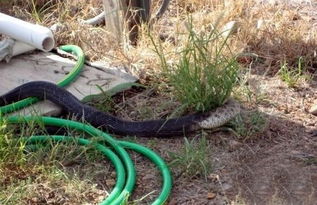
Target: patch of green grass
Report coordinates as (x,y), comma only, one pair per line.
(10,150)
(311,161)
(238,200)
(291,76)
(194,158)
(39,13)
(245,92)
(204,76)
(48,185)
(248,125)
(51,173)
(5,1)
(104,101)
(249,90)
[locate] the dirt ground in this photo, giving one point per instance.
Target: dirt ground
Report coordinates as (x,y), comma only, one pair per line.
(279,165)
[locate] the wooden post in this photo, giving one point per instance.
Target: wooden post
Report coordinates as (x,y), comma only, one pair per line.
(115,17)
(126,15)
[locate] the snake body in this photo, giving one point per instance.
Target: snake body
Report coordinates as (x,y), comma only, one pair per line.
(156,128)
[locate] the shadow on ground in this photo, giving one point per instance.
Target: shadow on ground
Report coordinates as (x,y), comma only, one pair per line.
(275,166)
(279,167)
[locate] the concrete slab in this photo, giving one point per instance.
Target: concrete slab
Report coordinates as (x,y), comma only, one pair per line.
(51,67)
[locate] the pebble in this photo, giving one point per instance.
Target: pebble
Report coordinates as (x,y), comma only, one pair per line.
(234,145)
(313,110)
(110,182)
(211,195)
(230,28)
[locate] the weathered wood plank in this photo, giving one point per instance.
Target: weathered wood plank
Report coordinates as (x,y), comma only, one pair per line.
(51,67)
(114,17)
(123,17)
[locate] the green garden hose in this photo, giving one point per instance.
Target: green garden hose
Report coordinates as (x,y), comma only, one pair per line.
(118,146)
(126,174)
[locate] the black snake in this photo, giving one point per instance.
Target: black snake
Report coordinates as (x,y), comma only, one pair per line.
(156,128)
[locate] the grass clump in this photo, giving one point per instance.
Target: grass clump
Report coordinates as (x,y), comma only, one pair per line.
(193,159)
(206,71)
(291,76)
(249,125)
(48,185)
(11,151)
(48,173)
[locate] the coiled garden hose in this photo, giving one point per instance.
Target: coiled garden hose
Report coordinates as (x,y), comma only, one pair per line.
(126,174)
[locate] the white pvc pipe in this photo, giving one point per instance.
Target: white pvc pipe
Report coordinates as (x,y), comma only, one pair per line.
(35,35)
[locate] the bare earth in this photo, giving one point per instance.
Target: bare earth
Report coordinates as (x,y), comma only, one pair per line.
(278,166)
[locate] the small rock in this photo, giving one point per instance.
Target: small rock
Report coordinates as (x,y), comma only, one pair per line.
(273,2)
(226,186)
(58,27)
(234,145)
(172,202)
(110,182)
(313,110)
(261,24)
(113,174)
(148,177)
(211,195)
(213,177)
(230,28)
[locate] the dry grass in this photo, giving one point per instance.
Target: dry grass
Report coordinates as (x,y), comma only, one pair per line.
(38,184)
(53,174)
(284,34)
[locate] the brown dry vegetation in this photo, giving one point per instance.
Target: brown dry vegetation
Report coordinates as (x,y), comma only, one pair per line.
(270,155)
